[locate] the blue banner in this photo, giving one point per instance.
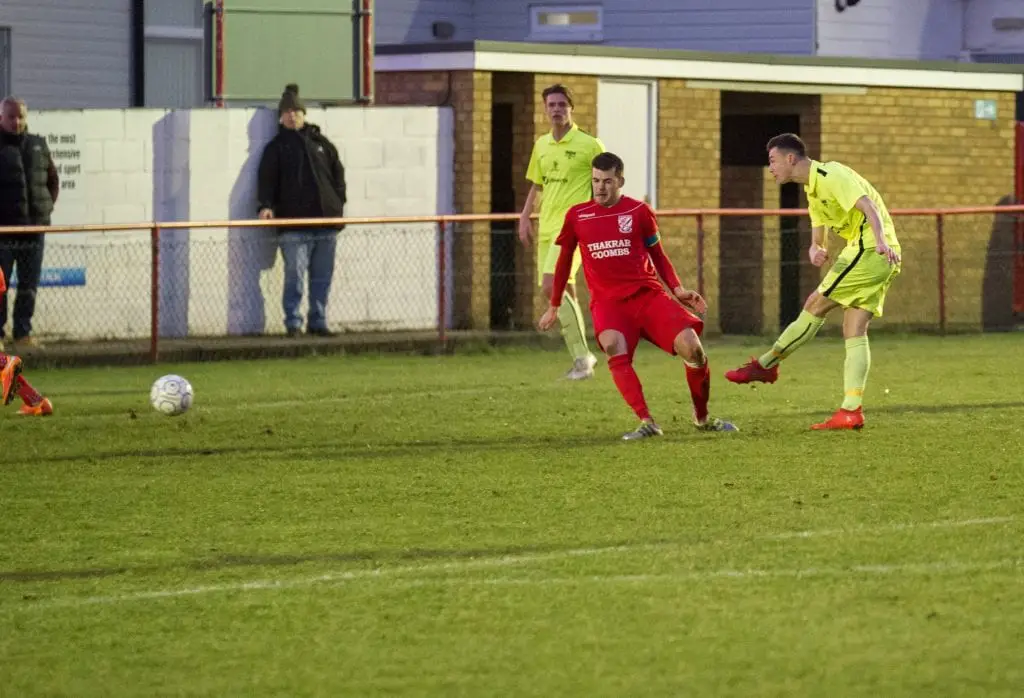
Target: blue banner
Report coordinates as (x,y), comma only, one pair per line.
(62,276)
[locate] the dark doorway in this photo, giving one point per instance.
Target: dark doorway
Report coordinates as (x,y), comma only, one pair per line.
(503,235)
(744,136)
(790,256)
(742,256)
(764,274)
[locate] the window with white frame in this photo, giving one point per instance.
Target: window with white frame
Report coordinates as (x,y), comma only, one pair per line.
(574,23)
(174,62)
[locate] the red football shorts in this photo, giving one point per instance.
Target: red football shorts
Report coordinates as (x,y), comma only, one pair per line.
(649,314)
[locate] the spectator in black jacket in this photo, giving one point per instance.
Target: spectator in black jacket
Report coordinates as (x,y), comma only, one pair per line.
(301,176)
(29,185)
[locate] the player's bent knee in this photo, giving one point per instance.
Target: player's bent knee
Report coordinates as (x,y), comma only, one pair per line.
(613,343)
(687,345)
(856,322)
(819,305)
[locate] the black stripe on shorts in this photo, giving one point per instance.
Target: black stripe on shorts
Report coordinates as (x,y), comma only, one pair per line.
(844,272)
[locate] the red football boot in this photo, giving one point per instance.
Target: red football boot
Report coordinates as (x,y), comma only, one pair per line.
(753,372)
(842,419)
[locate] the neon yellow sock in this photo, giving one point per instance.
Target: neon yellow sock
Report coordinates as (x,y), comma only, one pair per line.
(855,372)
(570,317)
(799,332)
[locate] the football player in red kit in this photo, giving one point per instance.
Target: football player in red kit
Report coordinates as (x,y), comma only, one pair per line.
(13,383)
(625,264)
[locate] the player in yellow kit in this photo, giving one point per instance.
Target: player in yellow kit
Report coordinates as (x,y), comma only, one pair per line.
(840,199)
(560,174)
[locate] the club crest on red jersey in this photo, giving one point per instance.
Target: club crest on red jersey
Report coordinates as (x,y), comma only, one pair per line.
(626,224)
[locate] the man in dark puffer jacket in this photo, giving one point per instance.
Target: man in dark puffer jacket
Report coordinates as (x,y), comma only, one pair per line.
(301,176)
(28,189)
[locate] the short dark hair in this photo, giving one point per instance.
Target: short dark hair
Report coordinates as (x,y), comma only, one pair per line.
(790,142)
(557,89)
(609,161)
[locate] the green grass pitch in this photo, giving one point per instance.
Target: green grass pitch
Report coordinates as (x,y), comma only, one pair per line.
(472,525)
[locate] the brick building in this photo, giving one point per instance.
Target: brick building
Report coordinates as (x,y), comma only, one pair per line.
(692,128)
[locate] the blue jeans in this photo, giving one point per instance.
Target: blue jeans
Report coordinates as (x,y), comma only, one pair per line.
(312,250)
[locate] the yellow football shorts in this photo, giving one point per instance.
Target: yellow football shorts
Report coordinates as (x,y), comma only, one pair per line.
(547,259)
(860,278)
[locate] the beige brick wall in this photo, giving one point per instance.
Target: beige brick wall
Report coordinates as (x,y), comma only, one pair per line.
(689,140)
(429,88)
(472,243)
(772,250)
(470,95)
(920,148)
(924,148)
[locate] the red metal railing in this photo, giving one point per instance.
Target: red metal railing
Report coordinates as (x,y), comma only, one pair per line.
(445,240)
(218,53)
(366,88)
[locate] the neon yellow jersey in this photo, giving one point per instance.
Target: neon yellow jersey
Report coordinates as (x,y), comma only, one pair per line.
(833,190)
(563,168)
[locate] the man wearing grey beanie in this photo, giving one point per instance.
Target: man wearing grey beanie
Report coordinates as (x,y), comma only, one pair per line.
(301,176)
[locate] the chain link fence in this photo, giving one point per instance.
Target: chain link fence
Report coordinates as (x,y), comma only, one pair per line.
(435,276)
(216,282)
(92,286)
(957,272)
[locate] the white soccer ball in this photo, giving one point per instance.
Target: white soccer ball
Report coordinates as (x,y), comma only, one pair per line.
(171,395)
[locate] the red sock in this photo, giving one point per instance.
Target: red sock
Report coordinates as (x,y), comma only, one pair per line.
(699,380)
(628,384)
(29,395)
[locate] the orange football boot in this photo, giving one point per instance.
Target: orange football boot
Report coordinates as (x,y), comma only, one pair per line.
(8,377)
(43,408)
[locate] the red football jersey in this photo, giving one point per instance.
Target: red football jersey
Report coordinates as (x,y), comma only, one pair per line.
(613,242)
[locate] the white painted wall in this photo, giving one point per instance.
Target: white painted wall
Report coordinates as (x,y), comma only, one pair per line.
(143,165)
